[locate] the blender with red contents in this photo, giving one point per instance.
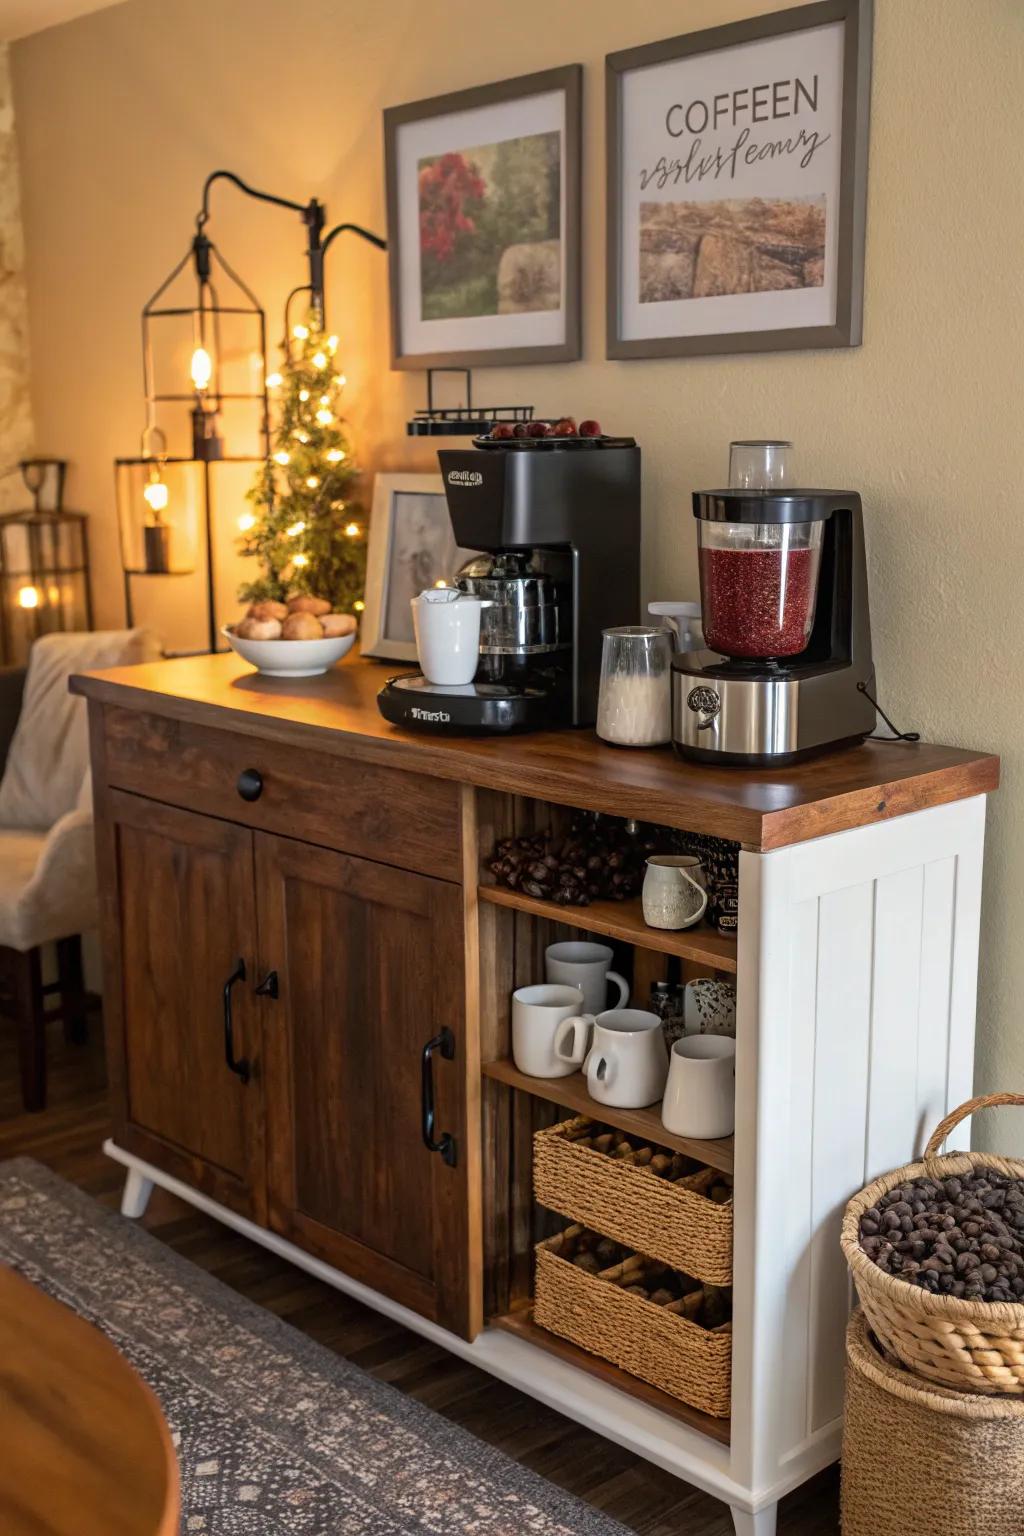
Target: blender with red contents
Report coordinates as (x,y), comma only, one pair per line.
(783,581)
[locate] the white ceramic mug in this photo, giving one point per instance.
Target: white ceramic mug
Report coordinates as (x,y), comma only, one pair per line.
(700,1096)
(447,628)
(580,964)
(626,1061)
(673,893)
(537,1013)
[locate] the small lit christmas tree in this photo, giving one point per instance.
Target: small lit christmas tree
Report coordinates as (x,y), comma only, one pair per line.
(303,529)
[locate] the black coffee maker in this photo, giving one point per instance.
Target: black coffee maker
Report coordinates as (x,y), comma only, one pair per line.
(558,524)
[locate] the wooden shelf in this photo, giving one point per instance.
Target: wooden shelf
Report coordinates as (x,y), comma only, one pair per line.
(521,1324)
(571,1093)
(624,920)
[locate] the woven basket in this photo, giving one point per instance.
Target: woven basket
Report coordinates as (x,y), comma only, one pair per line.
(661,1345)
(674,1222)
(922,1458)
(975,1346)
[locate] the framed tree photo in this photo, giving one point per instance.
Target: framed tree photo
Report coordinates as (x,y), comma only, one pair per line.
(737,185)
(411,546)
(483,195)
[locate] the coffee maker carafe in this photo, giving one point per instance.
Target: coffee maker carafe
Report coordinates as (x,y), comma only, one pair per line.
(784,605)
(557,524)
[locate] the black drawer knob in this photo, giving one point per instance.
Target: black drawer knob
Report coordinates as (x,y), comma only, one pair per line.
(250,784)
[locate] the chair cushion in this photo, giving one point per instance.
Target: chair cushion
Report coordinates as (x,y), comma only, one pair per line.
(47,882)
(49,755)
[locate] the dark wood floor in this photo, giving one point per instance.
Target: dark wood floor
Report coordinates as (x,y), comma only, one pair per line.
(67,1138)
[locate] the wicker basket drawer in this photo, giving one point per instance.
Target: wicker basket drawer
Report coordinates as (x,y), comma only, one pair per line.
(670,1219)
(665,1345)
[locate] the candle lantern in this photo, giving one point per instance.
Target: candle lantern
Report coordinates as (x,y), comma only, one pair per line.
(205,347)
(44,564)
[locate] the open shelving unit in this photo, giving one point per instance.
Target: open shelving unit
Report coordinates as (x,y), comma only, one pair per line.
(571,1093)
(624,920)
(515,929)
(520,1323)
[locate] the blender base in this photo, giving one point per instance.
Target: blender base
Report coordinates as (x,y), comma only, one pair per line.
(766,759)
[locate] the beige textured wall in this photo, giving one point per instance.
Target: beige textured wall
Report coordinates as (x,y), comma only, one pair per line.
(15,401)
(122,113)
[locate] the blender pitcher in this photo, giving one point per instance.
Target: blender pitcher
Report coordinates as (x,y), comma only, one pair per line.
(758,580)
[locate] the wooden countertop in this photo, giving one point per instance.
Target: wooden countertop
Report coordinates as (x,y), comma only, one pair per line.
(760,808)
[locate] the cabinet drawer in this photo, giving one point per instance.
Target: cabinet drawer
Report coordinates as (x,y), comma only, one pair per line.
(375,812)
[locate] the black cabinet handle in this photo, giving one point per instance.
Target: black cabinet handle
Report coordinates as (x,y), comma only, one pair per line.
(445,1043)
(240,1068)
(250,784)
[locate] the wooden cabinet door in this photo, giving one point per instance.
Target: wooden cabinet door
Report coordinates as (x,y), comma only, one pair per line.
(179,915)
(370,965)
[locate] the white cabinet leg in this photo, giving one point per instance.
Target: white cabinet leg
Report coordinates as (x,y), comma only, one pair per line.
(761,1524)
(137,1190)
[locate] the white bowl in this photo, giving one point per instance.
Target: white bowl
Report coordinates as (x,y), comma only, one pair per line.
(290,658)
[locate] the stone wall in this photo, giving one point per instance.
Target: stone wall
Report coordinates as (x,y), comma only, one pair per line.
(15,404)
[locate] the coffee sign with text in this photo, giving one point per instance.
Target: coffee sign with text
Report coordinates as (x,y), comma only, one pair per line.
(737,177)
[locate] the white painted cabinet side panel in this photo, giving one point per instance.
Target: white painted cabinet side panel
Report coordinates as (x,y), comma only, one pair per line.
(839,1078)
(937,924)
(895,1018)
(796,1214)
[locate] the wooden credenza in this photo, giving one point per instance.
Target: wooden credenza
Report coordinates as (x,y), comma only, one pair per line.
(307,979)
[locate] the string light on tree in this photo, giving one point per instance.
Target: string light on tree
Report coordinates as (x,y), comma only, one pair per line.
(303,492)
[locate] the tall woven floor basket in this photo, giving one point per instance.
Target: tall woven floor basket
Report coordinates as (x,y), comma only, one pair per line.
(924,1459)
(971,1346)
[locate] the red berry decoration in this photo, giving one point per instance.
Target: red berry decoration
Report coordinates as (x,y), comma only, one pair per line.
(564,428)
(538,429)
(502,429)
(590,429)
(521,429)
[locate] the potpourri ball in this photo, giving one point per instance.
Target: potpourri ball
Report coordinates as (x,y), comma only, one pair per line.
(306,604)
(302,626)
(959,1236)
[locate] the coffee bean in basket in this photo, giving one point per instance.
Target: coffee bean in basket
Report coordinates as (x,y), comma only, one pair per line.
(960,1236)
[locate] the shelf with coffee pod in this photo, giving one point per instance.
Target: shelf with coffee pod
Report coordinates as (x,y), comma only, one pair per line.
(624,920)
(571,1093)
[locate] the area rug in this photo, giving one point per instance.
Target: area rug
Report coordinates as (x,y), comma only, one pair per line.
(275,1435)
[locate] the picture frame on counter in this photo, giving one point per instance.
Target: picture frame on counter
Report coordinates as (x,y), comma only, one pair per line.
(737,185)
(410,546)
(483,201)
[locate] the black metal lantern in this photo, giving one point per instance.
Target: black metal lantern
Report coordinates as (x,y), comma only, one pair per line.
(44,564)
(226,372)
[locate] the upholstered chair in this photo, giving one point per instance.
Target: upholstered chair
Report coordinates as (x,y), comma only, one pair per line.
(47,865)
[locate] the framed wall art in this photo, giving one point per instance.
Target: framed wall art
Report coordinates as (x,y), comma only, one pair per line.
(483,195)
(737,183)
(411,546)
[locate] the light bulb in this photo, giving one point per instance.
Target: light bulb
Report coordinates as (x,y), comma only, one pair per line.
(295,529)
(352,532)
(303,394)
(319,360)
(342,381)
(300,332)
(325,399)
(202,368)
(312,482)
(281,457)
(155,493)
(301,437)
(358,605)
(53,596)
(274,380)
(324,418)
(301,560)
(246,521)
(332,344)
(335,456)
(28,597)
